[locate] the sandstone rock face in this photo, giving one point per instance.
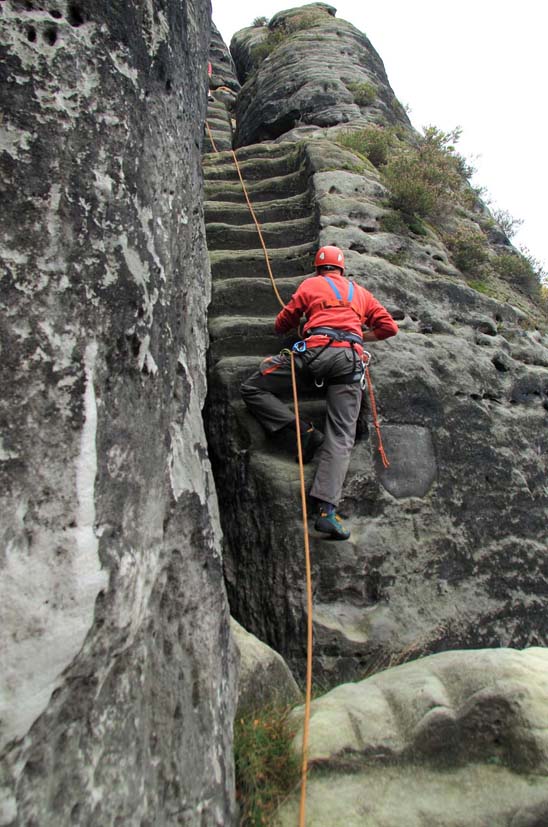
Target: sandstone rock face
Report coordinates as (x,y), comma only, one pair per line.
(320,70)
(455,739)
(264,677)
(117,684)
(448,544)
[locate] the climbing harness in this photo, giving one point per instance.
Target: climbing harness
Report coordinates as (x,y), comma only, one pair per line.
(361,375)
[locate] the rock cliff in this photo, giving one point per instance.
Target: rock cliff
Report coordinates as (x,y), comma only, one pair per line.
(117,680)
(448,543)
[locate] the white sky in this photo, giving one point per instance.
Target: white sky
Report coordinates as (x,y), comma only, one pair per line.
(478,64)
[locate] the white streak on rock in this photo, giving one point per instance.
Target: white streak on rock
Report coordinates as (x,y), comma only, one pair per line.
(86,466)
(50,580)
(119,61)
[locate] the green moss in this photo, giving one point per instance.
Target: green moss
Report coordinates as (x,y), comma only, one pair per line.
(482,287)
(267,769)
(398,258)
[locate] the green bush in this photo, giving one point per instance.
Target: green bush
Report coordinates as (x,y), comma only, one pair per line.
(469,249)
(364,93)
(260,21)
(306,20)
(392,222)
(425,179)
(271,42)
(267,769)
(519,270)
(373,142)
(282,32)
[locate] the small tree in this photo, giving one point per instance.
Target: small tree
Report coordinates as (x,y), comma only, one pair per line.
(507,222)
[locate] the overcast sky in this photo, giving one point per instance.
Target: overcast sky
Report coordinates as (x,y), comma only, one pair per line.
(478,64)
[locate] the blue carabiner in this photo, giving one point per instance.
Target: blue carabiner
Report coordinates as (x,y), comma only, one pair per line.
(299,347)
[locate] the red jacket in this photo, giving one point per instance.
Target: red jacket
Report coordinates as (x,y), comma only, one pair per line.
(316,299)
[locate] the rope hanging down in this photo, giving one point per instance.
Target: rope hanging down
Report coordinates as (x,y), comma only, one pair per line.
(374,414)
(308,694)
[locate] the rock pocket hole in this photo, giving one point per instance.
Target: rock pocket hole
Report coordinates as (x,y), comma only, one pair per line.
(75,15)
(31,34)
(50,36)
(55,13)
(169,86)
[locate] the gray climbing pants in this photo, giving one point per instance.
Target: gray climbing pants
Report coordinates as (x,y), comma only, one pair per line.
(261,394)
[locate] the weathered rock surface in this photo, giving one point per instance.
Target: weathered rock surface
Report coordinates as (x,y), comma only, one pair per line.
(448,548)
(321,70)
(264,678)
(458,739)
(117,680)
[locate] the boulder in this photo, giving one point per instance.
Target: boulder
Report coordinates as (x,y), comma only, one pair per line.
(264,678)
(457,739)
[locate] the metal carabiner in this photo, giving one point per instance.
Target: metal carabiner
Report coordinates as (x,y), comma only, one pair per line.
(299,347)
(319,384)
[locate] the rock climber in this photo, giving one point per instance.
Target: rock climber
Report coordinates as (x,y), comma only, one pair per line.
(330,354)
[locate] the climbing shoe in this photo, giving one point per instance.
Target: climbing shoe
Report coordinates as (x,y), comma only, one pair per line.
(311,440)
(331,524)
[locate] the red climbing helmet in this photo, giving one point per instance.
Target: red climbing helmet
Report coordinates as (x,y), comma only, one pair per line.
(329,255)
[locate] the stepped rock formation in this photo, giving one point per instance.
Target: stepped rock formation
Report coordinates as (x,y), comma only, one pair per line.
(458,738)
(117,678)
(448,548)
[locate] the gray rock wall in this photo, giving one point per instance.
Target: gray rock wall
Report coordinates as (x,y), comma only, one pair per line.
(117,685)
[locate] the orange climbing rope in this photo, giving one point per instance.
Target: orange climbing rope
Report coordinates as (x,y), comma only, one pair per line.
(211,137)
(308,694)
